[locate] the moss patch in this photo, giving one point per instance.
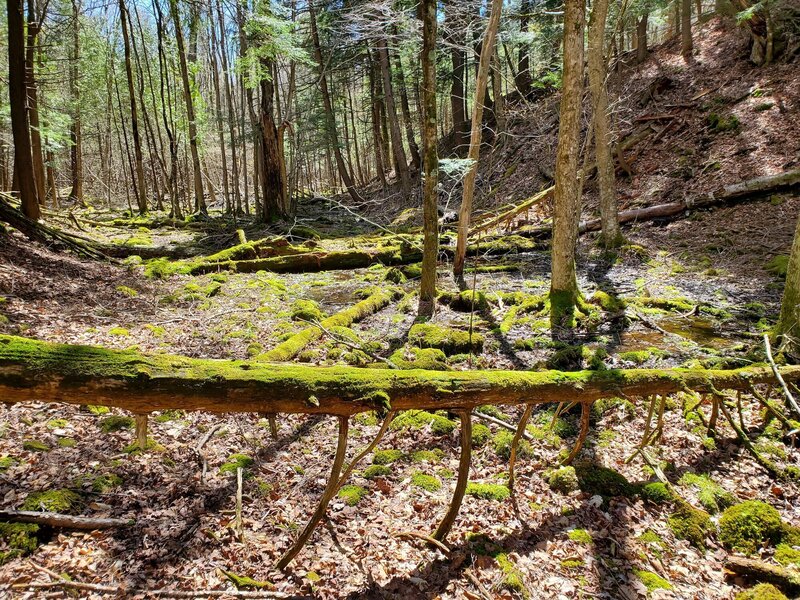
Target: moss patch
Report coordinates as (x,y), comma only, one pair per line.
(419,419)
(763,591)
(35,446)
(596,480)
(352,494)
(386,457)
(502,445)
(60,501)
(748,526)
(373,471)
(691,524)
(236,461)
(306,310)
(712,496)
(116,423)
(480,434)
(512,577)
(656,493)
(563,480)
(448,340)
(580,535)
(430,359)
(652,581)
(20,539)
(429,483)
(488,491)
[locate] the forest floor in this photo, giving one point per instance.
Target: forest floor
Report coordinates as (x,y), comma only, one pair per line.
(698,291)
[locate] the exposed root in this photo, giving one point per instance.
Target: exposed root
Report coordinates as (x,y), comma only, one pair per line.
(523,423)
(585,413)
(463,476)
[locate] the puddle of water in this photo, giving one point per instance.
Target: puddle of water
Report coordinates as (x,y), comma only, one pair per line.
(697,329)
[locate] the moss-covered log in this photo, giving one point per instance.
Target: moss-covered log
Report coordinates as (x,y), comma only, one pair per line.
(31,369)
(290,348)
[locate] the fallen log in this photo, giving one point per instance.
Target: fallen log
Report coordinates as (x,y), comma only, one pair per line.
(756,570)
(32,369)
(64,521)
(727,194)
(290,348)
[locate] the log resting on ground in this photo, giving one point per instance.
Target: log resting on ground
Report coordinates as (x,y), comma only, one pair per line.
(36,370)
(60,520)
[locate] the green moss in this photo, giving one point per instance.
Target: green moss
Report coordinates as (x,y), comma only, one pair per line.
(763,591)
(480,434)
(748,526)
(236,461)
(119,331)
(651,537)
(563,480)
(243,582)
(488,491)
(60,501)
(386,457)
(466,301)
(98,410)
(35,446)
(429,483)
(419,419)
(105,483)
(580,535)
(639,357)
(166,416)
(65,442)
(6,462)
(430,359)
(492,411)
(787,556)
(306,310)
(150,445)
(606,405)
(127,291)
(779,265)
(116,423)
(652,581)
(502,445)
(596,480)
(657,493)
(57,423)
(395,275)
(721,123)
(572,563)
(352,494)
(712,496)
(691,524)
(448,340)
(512,577)
(373,471)
(431,456)
(20,539)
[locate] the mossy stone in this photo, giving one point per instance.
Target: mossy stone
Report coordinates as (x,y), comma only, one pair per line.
(116,423)
(429,483)
(306,310)
(352,494)
(430,359)
(763,591)
(748,526)
(691,524)
(602,481)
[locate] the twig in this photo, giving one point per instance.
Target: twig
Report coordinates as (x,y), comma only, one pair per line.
(512,461)
(789,398)
(340,340)
(238,525)
(501,423)
(421,536)
(59,520)
(484,593)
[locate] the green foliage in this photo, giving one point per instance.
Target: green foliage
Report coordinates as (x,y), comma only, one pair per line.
(127,291)
(20,539)
(748,526)
(352,494)
(488,491)
(104,483)
(429,483)
(580,535)
(386,457)
(35,446)
(779,265)
(431,456)
(115,423)
(512,577)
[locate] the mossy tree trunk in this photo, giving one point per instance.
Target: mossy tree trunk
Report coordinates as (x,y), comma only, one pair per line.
(788,327)
(567,204)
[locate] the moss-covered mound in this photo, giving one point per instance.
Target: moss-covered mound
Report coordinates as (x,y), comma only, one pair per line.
(748,526)
(602,481)
(763,591)
(691,524)
(418,419)
(448,340)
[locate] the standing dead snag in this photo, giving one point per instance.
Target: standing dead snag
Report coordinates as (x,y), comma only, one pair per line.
(464,462)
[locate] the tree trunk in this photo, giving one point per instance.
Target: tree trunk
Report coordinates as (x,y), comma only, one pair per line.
(416,160)
(686,29)
(380,159)
(465,212)
(523,76)
(788,326)
(33,104)
(273,183)
(610,236)
(430,228)
(400,161)
(330,119)
(76,150)
(17,92)
(567,201)
(199,197)
(641,38)
(457,88)
(141,189)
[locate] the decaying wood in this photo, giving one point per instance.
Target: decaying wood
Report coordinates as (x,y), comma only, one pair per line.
(60,520)
(31,370)
(757,570)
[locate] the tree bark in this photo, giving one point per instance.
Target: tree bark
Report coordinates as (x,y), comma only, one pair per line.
(59,520)
(641,38)
(199,197)
(76,149)
(610,236)
(416,160)
(523,76)
(141,189)
(567,202)
(33,103)
(23,160)
(788,326)
(686,29)
(400,161)
(430,228)
(465,211)
(458,58)
(31,370)
(330,119)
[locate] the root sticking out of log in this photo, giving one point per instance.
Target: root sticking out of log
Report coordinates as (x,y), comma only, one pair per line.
(512,461)
(464,462)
